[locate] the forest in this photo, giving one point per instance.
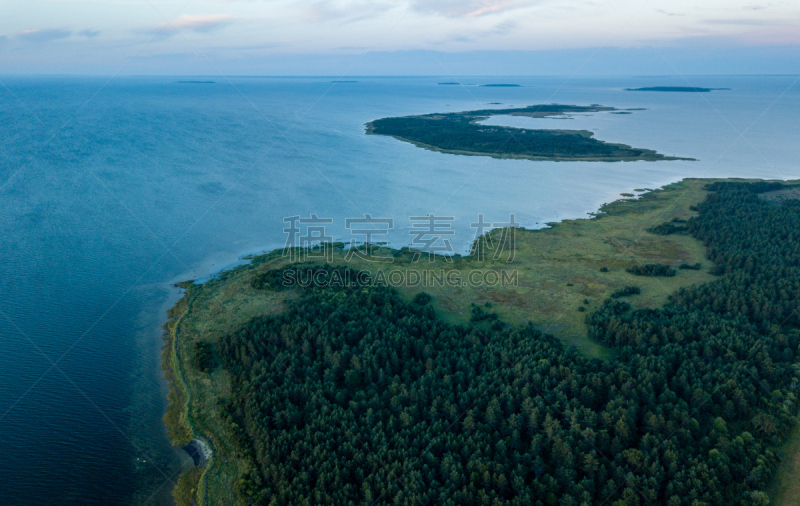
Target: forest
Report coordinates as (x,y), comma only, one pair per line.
(355,395)
(461,133)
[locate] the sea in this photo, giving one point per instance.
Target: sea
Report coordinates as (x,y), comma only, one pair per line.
(114,189)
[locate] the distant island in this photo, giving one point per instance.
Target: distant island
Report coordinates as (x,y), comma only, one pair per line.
(448,84)
(461,133)
(501,85)
(677,89)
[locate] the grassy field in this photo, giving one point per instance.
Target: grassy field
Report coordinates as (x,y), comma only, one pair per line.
(785,491)
(559,270)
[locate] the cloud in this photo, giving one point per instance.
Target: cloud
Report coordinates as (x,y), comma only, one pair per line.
(203,24)
(199,24)
(350,10)
(466,8)
(323,11)
(89,33)
(745,22)
(44,35)
(667,13)
(505,27)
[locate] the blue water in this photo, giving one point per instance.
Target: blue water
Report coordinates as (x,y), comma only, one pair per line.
(113,190)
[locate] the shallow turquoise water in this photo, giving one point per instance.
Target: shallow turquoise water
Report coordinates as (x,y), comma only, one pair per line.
(111,191)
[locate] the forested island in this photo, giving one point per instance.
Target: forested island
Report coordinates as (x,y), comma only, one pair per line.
(646,356)
(678,89)
(461,133)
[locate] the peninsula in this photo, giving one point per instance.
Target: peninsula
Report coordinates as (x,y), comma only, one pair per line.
(652,344)
(461,133)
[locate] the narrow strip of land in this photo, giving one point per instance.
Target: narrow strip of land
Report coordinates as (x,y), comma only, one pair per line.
(677,89)
(461,133)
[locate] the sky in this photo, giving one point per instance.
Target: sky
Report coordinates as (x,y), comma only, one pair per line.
(397,37)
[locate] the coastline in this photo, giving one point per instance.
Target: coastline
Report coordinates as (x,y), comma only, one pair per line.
(176,418)
(181,417)
(199,451)
(649,156)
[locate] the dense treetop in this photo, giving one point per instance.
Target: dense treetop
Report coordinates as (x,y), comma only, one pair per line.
(356,396)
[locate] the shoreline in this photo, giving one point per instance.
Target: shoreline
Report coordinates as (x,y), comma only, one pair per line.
(199,451)
(176,419)
(506,156)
